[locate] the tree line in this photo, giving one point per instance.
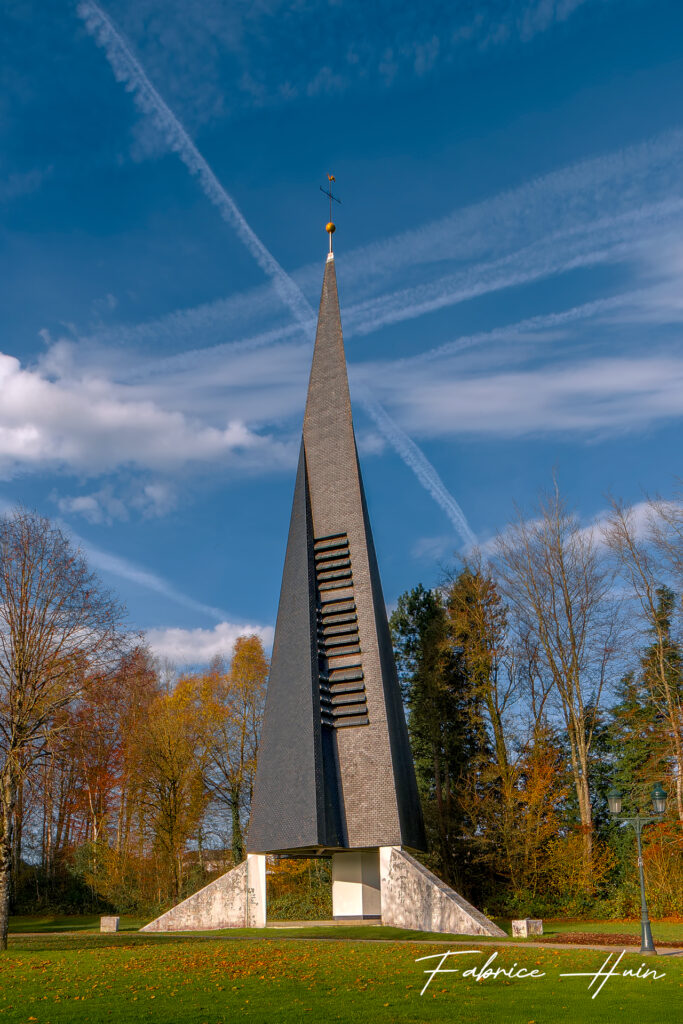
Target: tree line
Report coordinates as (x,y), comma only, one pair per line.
(539,673)
(123,785)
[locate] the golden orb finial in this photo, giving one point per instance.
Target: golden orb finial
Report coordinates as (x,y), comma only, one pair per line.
(330,228)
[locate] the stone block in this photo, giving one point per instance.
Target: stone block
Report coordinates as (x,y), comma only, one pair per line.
(525,927)
(413,897)
(109,924)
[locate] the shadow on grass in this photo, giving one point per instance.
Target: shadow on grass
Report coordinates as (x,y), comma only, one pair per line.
(55,923)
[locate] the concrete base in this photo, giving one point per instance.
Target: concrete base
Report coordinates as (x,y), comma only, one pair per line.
(356,886)
(413,897)
(385,884)
(109,924)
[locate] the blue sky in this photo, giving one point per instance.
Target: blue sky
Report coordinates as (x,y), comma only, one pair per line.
(509,255)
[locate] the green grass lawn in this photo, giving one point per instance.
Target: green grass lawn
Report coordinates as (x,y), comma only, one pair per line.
(180,979)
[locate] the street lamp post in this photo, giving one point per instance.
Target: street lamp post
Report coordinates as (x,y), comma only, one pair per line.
(614,801)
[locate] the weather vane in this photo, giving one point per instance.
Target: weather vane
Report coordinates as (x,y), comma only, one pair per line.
(329,227)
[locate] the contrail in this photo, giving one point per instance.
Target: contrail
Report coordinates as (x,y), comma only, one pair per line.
(128,70)
(106,562)
(421,467)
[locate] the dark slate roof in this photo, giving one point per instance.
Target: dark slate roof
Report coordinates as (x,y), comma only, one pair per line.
(335,770)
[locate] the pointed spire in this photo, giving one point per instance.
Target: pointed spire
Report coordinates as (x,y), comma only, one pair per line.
(335,768)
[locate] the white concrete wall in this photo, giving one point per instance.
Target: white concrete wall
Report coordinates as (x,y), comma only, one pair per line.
(413,897)
(356,884)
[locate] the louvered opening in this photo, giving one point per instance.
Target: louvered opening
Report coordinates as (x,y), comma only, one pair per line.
(342,688)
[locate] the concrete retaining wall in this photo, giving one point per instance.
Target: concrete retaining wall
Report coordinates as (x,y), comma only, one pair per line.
(413,897)
(220,904)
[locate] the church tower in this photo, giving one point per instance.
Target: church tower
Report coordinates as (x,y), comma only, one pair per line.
(335,773)
(335,769)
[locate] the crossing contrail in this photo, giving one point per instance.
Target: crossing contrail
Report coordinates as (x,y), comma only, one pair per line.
(421,467)
(128,70)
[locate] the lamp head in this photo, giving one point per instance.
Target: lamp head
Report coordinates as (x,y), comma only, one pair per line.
(658,798)
(614,800)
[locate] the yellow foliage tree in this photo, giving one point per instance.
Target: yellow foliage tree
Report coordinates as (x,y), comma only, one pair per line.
(232,704)
(170,758)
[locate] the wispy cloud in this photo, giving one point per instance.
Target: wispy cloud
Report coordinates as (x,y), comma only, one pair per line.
(216,59)
(573,200)
(13,186)
(123,568)
(623,207)
(434,549)
(640,515)
(101,506)
(606,396)
(108,504)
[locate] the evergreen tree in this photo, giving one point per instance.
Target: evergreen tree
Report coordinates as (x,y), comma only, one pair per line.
(436,693)
(640,729)
(635,742)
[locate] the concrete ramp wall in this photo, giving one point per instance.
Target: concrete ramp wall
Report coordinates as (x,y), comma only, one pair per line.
(413,897)
(220,904)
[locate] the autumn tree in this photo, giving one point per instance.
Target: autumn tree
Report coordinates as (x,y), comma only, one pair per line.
(666,526)
(59,629)
(102,825)
(477,632)
(233,704)
(169,752)
(646,557)
(514,784)
(137,685)
(554,577)
(477,641)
